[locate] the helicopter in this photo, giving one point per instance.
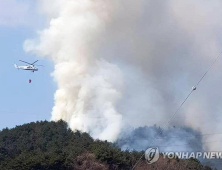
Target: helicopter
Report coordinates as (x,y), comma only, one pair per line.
(29,67)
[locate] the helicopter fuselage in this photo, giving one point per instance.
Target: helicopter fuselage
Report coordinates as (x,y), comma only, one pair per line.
(29,68)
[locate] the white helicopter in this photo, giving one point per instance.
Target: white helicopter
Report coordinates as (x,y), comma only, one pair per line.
(30,66)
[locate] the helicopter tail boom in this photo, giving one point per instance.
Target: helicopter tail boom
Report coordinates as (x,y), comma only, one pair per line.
(16,66)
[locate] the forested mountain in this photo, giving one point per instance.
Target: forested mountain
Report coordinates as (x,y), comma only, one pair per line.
(53,146)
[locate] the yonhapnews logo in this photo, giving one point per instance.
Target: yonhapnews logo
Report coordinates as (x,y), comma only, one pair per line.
(152,155)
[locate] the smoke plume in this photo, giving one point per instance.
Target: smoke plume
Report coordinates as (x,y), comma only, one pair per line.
(174,139)
(131,63)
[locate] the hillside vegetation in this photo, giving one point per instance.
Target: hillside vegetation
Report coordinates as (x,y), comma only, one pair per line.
(53,146)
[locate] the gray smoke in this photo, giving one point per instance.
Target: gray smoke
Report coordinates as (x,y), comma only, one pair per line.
(131,63)
(173,139)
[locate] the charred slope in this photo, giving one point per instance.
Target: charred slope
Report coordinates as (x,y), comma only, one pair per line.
(53,146)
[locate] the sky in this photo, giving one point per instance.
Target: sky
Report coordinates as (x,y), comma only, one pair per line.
(21,102)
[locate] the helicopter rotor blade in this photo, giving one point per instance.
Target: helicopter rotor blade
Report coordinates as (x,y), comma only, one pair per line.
(34,62)
(25,62)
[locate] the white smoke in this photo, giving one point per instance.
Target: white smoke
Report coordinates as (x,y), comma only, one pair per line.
(121,63)
(88,86)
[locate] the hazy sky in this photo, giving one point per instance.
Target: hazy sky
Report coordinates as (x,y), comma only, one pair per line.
(21,102)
